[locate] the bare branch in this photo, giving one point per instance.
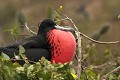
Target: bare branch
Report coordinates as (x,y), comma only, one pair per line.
(30,29)
(100,42)
(113,71)
(22,60)
(105,65)
(79,55)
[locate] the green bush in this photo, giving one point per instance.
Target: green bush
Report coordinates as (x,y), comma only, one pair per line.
(42,70)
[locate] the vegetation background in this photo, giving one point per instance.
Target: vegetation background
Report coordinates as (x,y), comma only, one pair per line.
(88,15)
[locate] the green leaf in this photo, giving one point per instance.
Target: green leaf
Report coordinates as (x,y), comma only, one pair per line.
(70,76)
(65,67)
(91,75)
(21,49)
(5,56)
(7,70)
(14,32)
(20,69)
(47,76)
(74,76)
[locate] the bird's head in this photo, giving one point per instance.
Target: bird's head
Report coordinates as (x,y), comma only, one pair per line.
(48,24)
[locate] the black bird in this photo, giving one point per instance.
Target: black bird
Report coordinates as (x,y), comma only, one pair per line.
(53,42)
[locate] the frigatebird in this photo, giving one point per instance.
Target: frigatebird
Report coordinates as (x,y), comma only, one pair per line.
(55,43)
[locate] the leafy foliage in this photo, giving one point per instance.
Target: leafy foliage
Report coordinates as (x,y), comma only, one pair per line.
(42,70)
(14,32)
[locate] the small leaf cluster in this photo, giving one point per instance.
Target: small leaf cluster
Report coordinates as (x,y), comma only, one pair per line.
(14,32)
(55,15)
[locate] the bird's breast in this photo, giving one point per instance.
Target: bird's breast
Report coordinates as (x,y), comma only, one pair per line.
(62,45)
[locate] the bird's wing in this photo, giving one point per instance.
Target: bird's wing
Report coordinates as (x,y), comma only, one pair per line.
(32,42)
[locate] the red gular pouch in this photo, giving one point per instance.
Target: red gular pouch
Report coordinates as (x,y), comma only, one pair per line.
(62,45)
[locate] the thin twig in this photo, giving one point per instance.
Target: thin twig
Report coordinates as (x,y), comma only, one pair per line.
(67,18)
(100,42)
(62,20)
(30,29)
(22,60)
(113,71)
(76,57)
(105,65)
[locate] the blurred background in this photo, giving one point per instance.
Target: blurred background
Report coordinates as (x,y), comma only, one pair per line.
(88,15)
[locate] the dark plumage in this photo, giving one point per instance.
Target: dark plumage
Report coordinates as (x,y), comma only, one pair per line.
(39,45)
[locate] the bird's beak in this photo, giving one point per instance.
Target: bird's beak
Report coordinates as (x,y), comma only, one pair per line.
(64,28)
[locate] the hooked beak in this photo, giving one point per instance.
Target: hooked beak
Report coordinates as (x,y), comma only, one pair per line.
(65,28)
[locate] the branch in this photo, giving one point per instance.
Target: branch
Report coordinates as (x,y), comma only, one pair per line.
(82,34)
(22,60)
(100,42)
(105,65)
(79,55)
(113,71)
(30,29)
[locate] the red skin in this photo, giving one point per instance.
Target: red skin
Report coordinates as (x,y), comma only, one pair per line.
(64,45)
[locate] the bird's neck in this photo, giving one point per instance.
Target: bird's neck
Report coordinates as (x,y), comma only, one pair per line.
(44,30)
